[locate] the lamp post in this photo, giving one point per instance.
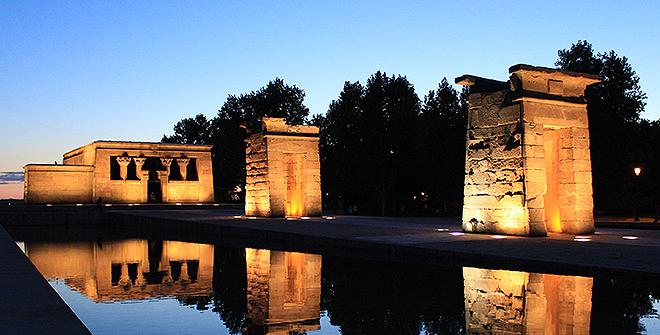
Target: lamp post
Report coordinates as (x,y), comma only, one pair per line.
(637,171)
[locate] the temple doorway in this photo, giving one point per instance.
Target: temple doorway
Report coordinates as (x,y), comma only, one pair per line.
(154,193)
(294,185)
(551,204)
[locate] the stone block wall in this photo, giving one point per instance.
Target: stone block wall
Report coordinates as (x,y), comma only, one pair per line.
(513,302)
(283,171)
(58,183)
(528,168)
(494,199)
(77,183)
(257,190)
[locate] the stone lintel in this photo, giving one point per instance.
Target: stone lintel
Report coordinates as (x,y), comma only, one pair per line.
(593,78)
(480,84)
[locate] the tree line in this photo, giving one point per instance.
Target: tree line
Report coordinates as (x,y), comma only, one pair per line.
(385,151)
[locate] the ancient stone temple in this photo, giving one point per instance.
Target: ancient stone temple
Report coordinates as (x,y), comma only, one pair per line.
(283,171)
(283,291)
(528,167)
(501,302)
(124,172)
(127,269)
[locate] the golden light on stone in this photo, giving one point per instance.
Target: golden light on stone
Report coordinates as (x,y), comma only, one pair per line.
(283,291)
(283,171)
(528,167)
(102,272)
(513,302)
(123,172)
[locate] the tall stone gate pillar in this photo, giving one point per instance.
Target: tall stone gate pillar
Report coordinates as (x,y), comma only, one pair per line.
(283,171)
(528,167)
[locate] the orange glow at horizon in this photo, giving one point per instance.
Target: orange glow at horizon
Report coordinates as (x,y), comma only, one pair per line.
(11,191)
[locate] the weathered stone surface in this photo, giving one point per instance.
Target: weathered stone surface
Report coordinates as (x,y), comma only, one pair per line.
(283,171)
(511,302)
(527,154)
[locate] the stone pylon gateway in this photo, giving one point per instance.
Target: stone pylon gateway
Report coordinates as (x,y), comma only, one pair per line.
(283,176)
(528,166)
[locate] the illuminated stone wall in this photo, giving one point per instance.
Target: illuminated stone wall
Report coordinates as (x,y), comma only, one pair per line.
(94,180)
(89,267)
(283,171)
(283,291)
(511,302)
(528,168)
(58,183)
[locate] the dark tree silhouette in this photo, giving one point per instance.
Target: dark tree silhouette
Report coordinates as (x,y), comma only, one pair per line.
(276,99)
(197,130)
(340,139)
(441,150)
(389,298)
(367,145)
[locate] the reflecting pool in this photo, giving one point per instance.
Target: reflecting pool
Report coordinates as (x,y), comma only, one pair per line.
(144,284)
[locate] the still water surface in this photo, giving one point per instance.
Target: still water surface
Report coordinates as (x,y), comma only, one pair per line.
(157,286)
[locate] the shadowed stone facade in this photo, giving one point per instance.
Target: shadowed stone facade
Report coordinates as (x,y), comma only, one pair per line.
(124,172)
(283,171)
(528,167)
(502,302)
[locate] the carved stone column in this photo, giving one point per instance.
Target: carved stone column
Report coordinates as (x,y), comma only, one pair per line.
(123,166)
(167,162)
(124,279)
(145,184)
(141,281)
(163,176)
(139,161)
(183,166)
(184,272)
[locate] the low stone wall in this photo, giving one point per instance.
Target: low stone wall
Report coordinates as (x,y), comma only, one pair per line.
(58,183)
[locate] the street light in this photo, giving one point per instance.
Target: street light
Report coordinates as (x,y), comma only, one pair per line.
(637,171)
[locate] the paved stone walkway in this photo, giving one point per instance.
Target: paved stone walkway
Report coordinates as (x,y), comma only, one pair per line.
(436,240)
(28,303)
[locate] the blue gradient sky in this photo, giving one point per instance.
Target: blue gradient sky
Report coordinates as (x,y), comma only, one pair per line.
(72,72)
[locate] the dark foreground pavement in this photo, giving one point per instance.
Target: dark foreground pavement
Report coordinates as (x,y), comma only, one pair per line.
(29,304)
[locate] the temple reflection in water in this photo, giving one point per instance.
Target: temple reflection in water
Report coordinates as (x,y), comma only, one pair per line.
(128,269)
(512,302)
(283,291)
(260,291)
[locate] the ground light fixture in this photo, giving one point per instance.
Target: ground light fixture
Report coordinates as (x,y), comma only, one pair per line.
(582,238)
